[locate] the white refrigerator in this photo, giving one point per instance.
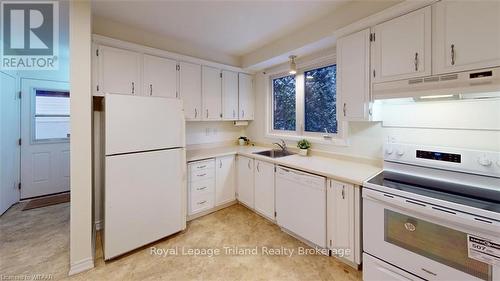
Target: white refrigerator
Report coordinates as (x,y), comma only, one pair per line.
(145,171)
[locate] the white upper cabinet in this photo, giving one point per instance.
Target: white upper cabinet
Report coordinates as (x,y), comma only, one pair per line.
(467,35)
(229,95)
(353,75)
(159,77)
(190,89)
(264,188)
(119,71)
(225,180)
(211,93)
(402,47)
(245,180)
(246,97)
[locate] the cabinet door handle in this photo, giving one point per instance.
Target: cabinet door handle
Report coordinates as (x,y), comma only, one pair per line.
(201,188)
(195,113)
(201,167)
(452,54)
(249,164)
(202,202)
(258,164)
(133,87)
(242,113)
(150,89)
(207,113)
(234,113)
(416,61)
(220,163)
(344,108)
(343,192)
(201,175)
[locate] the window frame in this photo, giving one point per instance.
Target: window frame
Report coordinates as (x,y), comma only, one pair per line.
(32,122)
(339,138)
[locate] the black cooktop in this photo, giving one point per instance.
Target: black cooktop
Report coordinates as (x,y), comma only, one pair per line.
(474,196)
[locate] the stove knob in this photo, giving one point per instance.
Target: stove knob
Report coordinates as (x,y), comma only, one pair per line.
(484,161)
(498,163)
(400,152)
(389,150)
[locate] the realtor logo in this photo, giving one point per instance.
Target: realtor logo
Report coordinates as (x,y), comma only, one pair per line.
(30,35)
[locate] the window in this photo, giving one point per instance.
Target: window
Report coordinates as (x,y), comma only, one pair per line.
(304,105)
(284,103)
(320,99)
(51,115)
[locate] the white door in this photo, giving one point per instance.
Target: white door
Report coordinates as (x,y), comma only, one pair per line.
(225,180)
(340,206)
(119,71)
(467,35)
(245,181)
(159,77)
(190,89)
(229,95)
(9,148)
(246,97)
(264,188)
(353,75)
(402,47)
(211,93)
(45,138)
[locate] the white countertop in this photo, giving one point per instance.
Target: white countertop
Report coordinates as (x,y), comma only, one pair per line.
(345,170)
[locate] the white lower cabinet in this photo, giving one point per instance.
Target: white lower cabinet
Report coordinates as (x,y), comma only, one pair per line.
(225,180)
(264,188)
(343,220)
(245,180)
(201,186)
(378,270)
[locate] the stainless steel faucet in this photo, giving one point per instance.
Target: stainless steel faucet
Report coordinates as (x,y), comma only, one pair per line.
(282,145)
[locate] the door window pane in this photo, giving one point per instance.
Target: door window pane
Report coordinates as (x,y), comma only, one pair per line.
(320,94)
(51,115)
(284,103)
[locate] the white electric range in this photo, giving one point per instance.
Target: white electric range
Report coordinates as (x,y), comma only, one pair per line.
(433,213)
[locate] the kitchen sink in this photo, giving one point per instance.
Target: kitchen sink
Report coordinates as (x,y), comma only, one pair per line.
(274,153)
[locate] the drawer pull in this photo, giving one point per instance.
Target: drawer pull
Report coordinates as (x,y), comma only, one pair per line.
(201,167)
(202,202)
(201,175)
(201,188)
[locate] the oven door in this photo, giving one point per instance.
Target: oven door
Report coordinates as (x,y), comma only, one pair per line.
(428,241)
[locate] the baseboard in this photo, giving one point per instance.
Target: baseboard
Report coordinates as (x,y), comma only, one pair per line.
(81,266)
(215,209)
(98,224)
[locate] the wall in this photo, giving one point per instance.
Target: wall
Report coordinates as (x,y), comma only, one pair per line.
(366,139)
(81,232)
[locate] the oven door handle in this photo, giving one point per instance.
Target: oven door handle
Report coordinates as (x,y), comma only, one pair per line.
(446,216)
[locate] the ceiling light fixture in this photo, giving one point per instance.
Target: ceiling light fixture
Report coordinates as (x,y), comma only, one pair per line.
(293,65)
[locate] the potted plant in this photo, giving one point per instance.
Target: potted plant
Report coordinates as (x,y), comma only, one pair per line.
(242,140)
(304,146)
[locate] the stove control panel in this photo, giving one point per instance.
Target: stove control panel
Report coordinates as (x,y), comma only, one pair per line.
(448,158)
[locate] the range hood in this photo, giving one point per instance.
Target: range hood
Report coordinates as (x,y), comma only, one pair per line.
(460,84)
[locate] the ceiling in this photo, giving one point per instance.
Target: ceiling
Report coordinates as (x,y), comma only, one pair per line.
(232,27)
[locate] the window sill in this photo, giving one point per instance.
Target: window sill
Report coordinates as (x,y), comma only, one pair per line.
(312,139)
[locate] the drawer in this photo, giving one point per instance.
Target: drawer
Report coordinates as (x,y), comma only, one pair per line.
(201,202)
(378,270)
(199,175)
(202,165)
(202,186)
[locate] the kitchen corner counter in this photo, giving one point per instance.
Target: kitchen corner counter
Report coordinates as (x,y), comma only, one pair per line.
(346,170)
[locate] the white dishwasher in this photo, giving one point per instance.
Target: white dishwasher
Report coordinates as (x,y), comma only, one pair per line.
(301,204)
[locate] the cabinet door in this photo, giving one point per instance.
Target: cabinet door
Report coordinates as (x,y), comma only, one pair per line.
(225,184)
(402,47)
(159,77)
(353,75)
(229,95)
(341,217)
(246,97)
(211,93)
(118,71)
(245,181)
(264,188)
(467,35)
(190,89)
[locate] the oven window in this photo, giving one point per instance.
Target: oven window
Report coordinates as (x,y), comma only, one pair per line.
(441,244)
